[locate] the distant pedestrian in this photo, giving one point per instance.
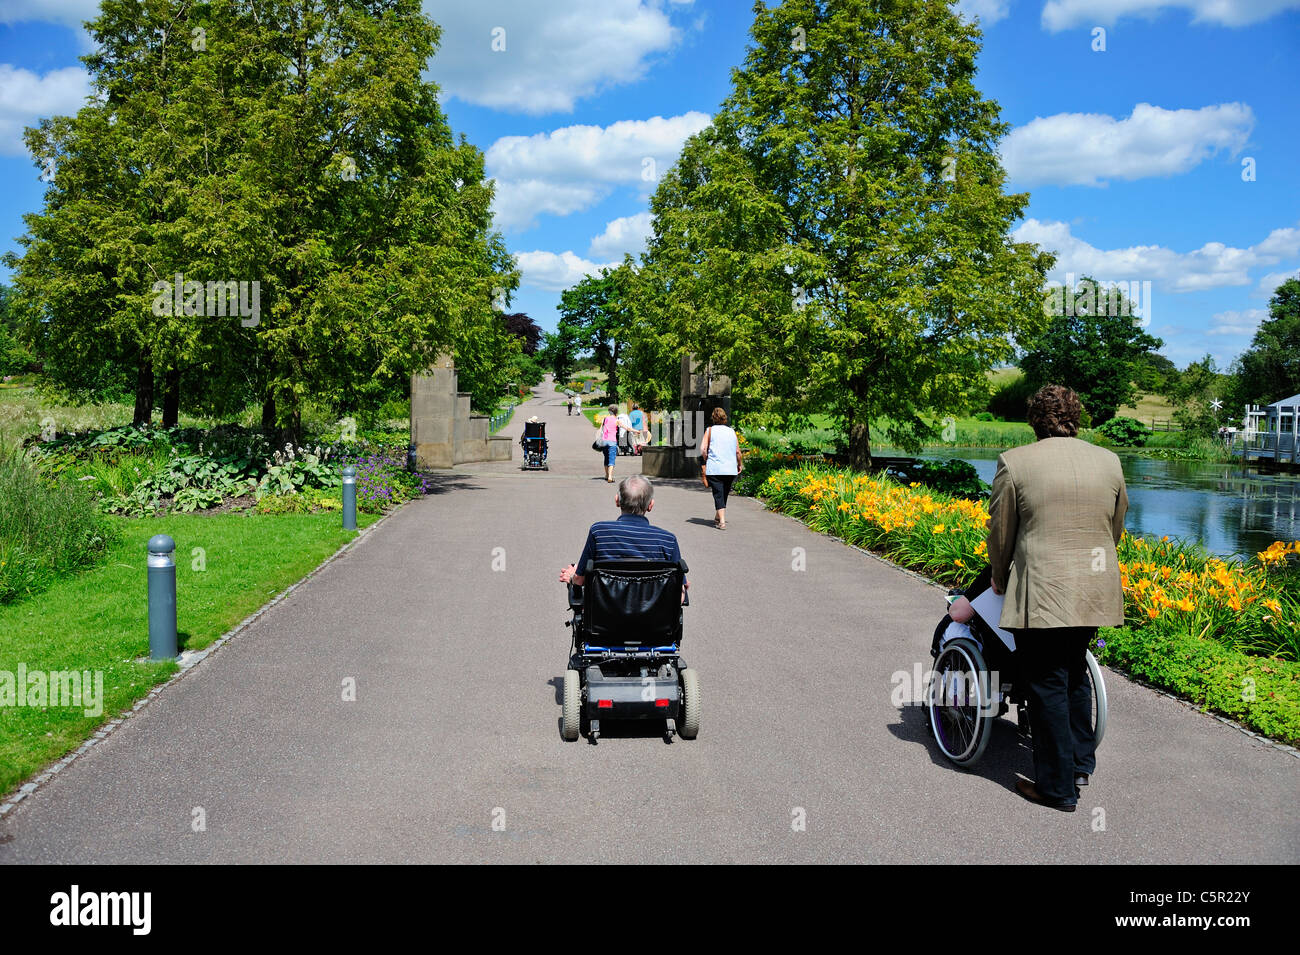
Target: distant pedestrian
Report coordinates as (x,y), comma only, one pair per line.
(637,417)
(720,451)
(569,404)
(609,438)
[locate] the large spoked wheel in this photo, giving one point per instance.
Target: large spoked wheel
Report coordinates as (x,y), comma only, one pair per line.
(572,705)
(1098,699)
(958,702)
(689,725)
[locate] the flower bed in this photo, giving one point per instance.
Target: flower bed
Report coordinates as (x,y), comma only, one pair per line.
(1224,634)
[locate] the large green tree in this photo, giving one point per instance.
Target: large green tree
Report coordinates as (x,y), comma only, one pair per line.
(1269,370)
(595,317)
(295,144)
(837,240)
(1094,344)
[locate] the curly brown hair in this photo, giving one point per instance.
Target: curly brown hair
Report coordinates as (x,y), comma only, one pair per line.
(719,416)
(1054,412)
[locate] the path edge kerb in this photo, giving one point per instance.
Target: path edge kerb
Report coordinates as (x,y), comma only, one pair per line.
(1258,737)
(188,662)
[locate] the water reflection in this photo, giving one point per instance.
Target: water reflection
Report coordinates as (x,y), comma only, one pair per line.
(1229,510)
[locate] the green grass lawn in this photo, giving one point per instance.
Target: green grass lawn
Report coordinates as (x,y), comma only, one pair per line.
(98,619)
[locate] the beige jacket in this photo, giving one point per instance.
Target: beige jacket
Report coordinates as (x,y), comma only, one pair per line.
(1055,515)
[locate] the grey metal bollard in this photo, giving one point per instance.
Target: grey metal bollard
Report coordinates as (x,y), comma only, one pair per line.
(349,498)
(162,598)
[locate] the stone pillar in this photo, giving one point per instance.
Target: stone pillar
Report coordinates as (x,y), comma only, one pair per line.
(433,415)
(701,391)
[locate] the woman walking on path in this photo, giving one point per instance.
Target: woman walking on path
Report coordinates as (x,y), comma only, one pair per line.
(722,462)
(609,437)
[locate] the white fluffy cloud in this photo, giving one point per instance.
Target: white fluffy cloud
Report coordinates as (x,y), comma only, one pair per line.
(1089,148)
(531,57)
(25,97)
(68,12)
(1213,265)
(1269,283)
(1064,14)
(572,168)
(555,273)
(1237,322)
(626,234)
(987,11)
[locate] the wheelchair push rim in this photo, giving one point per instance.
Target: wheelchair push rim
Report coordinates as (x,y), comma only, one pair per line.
(958,702)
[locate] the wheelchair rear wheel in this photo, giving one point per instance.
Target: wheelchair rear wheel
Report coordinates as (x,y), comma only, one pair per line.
(1098,699)
(572,705)
(689,728)
(958,702)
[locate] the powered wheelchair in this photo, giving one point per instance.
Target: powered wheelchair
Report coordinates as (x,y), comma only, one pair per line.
(535,447)
(974,680)
(625,657)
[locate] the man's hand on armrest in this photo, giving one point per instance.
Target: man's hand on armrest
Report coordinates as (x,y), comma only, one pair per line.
(570,575)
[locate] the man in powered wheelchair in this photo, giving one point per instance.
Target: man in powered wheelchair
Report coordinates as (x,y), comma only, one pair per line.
(627,591)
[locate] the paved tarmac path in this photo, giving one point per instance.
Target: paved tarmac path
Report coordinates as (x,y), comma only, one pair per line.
(455,727)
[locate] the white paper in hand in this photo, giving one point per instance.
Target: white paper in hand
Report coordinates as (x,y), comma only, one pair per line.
(989,607)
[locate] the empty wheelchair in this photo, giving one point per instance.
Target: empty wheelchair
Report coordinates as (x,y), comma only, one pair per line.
(534,444)
(625,658)
(974,681)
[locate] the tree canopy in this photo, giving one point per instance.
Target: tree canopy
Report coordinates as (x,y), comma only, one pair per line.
(1269,370)
(837,239)
(1095,345)
(294,146)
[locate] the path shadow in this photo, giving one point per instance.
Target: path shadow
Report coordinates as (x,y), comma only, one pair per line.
(443,482)
(702,521)
(1006,754)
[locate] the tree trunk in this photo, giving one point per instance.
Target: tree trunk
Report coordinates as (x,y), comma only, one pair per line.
(860,446)
(268,412)
(171,398)
(613,373)
(143,414)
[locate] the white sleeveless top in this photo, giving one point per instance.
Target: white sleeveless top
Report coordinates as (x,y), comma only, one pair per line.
(722,451)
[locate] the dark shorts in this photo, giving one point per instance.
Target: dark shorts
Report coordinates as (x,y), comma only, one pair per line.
(720,485)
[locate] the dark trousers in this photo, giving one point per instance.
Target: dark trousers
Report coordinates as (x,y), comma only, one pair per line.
(1055,675)
(720,485)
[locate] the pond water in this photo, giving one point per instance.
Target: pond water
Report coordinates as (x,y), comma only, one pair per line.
(1227,509)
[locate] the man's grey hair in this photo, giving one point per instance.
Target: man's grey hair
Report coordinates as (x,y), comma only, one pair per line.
(635,494)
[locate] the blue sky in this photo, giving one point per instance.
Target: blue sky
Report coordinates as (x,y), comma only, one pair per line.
(1133,154)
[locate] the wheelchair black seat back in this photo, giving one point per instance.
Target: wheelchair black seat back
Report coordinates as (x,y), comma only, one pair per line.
(534,429)
(625,660)
(632,604)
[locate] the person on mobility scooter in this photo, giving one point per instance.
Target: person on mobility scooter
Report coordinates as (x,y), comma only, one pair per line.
(626,592)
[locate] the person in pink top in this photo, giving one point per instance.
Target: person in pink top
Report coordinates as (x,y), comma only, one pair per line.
(609,436)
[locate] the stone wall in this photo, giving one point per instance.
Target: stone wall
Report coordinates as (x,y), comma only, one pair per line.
(442,429)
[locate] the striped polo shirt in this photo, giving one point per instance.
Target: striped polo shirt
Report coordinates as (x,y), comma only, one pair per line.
(631,537)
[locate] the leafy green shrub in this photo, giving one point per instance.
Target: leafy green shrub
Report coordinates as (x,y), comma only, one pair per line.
(958,478)
(985,416)
(1261,692)
(1125,432)
(1009,401)
(49,528)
